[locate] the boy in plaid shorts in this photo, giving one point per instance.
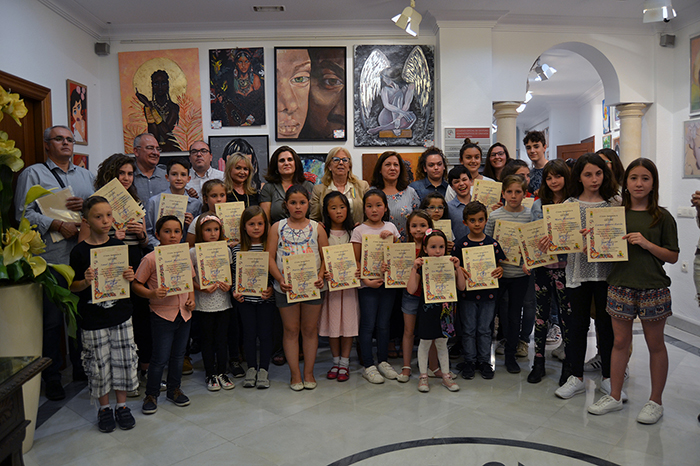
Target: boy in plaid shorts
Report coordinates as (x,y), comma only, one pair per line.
(109,352)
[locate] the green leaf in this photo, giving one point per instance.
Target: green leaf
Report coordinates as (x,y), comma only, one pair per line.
(65,270)
(34,193)
(3,272)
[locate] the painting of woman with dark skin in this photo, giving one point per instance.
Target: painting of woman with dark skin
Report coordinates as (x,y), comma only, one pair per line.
(237,78)
(161,113)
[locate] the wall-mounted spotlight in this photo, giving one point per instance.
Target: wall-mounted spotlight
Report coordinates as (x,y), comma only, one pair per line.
(409,20)
(658,10)
(544,72)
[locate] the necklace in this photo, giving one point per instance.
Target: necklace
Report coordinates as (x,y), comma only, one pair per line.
(246,199)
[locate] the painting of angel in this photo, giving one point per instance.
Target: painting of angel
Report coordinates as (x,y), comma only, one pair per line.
(394,89)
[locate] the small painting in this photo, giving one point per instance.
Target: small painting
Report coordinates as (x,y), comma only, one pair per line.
(606,118)
(256,147)
(77,111)
(237,81)
(695,75)
(607,141)
(410,159)
(314,166)
(616,145)
(81,160)
(691,149)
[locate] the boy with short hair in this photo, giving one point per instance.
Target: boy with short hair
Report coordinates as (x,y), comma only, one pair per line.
(178,175)
(170,321)
(461,183)
(535,146)
(477,308)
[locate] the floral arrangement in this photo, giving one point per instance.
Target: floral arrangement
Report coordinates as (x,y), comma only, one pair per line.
(19,260)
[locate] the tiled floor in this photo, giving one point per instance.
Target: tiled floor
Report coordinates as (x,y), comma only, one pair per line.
(338,420)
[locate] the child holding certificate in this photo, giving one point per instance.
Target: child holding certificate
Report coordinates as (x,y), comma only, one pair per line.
(436,206)
(109,353)
(213,305)
(435,320)
(639,287)
(340,317)
(376,302)
(290,236)
(213,192)
(257,312)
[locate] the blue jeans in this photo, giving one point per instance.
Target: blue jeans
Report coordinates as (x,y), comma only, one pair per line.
(376,305)
(169,344)
(476,317)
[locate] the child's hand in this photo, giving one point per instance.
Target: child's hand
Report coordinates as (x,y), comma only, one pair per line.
(193,193)
(384,267)
(466,274)
(136,228)
(128,274)
(232,243)
(210,289)
(385,234)
(239,297)
(225,287)
(89,275)
(418,263)
(285,287)
(319,282)
(450,245)
(188,218)
(638,239)
(357,273)
(585,231)
(543,244)
(497,272)
(455,262)
(497,206)
(373,283)
(267,294)
(120,234)
(189,304)
(160,292)
(526,270)
(327,275)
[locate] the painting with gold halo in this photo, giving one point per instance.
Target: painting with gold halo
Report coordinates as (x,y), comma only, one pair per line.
(161,95)
(695,75)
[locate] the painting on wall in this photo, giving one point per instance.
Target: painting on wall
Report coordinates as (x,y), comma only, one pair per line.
(410,159)
(394,95)
(314,166)
(161,95)
(237,87)
(310,95)
(77,111)
(616,145)
(695,75)
(691,149)
(81,160)
(607,141)
(256,147)
(606,118)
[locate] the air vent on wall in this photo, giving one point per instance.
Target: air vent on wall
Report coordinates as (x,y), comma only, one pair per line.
(268,9)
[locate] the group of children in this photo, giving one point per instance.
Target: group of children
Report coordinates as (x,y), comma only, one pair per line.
(637,287)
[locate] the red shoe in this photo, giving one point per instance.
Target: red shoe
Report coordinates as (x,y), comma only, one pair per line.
(333,373)
(343,374)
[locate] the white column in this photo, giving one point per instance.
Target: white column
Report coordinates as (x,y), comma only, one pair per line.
(505,120)
(630,131)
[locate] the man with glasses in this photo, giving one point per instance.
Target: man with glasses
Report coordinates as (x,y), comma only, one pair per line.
(149,178)
(201,171)
(57,172)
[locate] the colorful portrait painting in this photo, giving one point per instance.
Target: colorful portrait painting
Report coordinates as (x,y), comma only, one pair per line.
(691,149)
(314,166)
(310,94)
(695,75)
(77,111)
(394,93)
(161,95)
(256,148)
(237,87)
(81,160)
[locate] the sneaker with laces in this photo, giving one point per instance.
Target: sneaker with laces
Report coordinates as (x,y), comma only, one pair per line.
(606,388)
(125,420)
(177,397)
(593,364)
(150,405)
(263,381)
(236,369)
(105,420)
(133,393)
(450,384)
(423,385)
(650,413)
(250,376)
(212,383)
(486,370)
(387,371)
(560,352)
(572,387)
(468,370)
(225,382)
(606,404)
(522,350)
(553,334)
(187,368)
(372,375)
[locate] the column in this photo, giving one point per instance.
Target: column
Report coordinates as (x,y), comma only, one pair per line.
(505,120)
(630,131)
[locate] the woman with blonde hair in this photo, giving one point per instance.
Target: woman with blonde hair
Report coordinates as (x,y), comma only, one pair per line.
(238,180)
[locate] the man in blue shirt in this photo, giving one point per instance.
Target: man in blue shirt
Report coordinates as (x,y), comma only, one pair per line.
(149,178)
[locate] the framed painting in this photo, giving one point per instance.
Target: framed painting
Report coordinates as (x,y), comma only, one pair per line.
(394,94)
(691,149)
(257,147)
(237,80)
(410,159)
(695,75)
(160,94)
(77,111)
(310,95)
(81,160)
(606,118)
(314,166)
(616,145)
(607,141)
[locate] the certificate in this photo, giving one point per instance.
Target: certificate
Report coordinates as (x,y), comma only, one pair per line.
(605,243)
(124,207)
(399,259)
(530,234)
(212,263)
(439,280)
(563,225)
(230,215)
(174,268)
(252,272)
(487,192)
(506,233)
(173,204)
(480,262)
(528,202)
(444,226)
(372,255)
(341,264)
(300,272)
(54,206)
(109,264)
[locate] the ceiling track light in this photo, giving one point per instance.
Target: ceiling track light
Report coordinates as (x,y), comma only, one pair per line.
(409,19)
(658,10)
(543,71)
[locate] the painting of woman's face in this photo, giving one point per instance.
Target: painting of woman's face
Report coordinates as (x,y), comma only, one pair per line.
(243,64)
(293,81)
(77,111)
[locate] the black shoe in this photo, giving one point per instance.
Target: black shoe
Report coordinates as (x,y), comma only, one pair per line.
(79,376)
(54,390)
(125,420)
(537,372)
(565,373)
(105,420)
(195,347)
(455,351)
(468,371)
(236,368)
(177,397)
(150,405)
(512,365)
(486,370)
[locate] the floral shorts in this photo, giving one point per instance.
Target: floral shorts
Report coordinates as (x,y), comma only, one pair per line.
(627,303)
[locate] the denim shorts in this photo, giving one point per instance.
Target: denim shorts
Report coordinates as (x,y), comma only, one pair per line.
(281,300)
(409,303)
(627,303)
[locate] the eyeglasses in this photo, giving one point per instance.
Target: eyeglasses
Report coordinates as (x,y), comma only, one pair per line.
(150,148)
(497,154)
(199,151)
(436,207)
(60,139)
(340,159)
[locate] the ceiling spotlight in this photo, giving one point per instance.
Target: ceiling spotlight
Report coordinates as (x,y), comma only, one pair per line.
(658,10)
(528,96)
(409,20)
(521,108)
(543,71)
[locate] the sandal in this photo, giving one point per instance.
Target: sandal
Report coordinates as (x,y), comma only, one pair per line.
(333,373)
(437,374)
(343,374)
(278,359)
(393,354)
(403,378)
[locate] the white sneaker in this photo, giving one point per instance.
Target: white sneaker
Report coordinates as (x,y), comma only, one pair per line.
(387,371)
(553,334)
(605,405)
(225,382)
(372,375)
(572,387)
(593,364)
(605,388)
(213,383)
(522,349)
(501,347)
(560,351)
(651,413)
